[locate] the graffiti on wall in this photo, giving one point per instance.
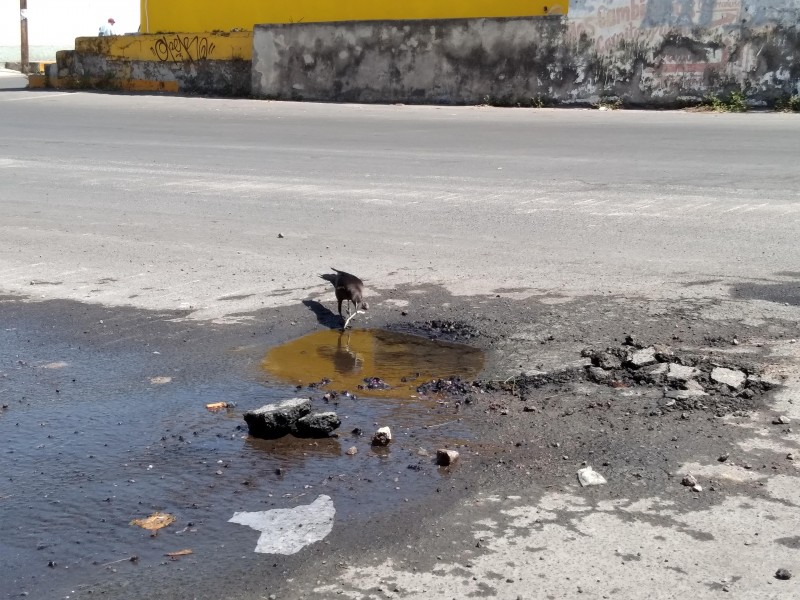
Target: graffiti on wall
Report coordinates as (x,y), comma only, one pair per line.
(179,49)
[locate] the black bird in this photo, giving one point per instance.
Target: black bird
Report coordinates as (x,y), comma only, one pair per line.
(348,287)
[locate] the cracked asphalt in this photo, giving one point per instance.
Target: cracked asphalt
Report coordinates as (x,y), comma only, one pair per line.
(143,276)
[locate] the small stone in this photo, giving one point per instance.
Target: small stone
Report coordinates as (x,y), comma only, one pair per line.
(790,456)
(588,477)
(352,451)
(697,488)
(606,360)
(689,481)
(422,452)
(445,457)
(382,437)
(723,458)
(280,236)
(783,574)
(598,374)
(782,420)
(731,378)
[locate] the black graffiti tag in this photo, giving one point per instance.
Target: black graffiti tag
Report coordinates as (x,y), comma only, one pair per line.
(180,49)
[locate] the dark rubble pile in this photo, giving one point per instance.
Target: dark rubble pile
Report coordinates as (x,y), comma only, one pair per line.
(453,386)
(689,381)
(374,383)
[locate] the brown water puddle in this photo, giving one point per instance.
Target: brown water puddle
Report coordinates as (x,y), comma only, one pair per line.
(402,361)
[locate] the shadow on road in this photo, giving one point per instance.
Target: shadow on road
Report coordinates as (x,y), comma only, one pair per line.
(325,316)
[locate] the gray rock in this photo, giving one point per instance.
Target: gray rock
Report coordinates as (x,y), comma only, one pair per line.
(598,374)
(659,369)
(689,481)
(606,360)
(317,425)
(681,372)
(276,420)
(783,574)
(641,358)
(693,386)
(782,420)
(382,437)
(445,457)
(731,378)
(588,477)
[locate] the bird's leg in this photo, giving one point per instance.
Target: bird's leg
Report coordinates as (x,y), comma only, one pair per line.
(350,316)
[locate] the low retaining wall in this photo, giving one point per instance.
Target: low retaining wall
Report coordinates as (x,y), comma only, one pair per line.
(212,63)
(642,52)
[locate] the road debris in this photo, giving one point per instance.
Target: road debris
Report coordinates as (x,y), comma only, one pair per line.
(445,457)
(154,522)
(589,477)
(382,437)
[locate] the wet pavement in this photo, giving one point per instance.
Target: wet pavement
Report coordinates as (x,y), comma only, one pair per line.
(104,420)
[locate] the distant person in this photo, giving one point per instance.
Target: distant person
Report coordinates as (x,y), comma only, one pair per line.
(107,28)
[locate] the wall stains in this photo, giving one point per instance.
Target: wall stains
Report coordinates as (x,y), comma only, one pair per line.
(639,52)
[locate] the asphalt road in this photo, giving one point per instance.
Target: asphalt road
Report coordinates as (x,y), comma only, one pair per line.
(180,200)
(152,249)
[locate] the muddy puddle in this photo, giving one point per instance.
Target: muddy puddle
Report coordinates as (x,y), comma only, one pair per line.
(353,360)
(94,439)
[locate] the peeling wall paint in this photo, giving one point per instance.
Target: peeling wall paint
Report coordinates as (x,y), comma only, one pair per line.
(642,52)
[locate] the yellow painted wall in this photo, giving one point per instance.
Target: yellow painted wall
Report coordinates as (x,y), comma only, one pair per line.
(214,15)
(171,47)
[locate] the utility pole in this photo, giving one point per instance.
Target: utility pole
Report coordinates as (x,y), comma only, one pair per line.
(23,36)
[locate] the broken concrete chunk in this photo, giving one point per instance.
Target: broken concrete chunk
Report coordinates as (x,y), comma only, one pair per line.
(691,391)
(641,358)
(276,420)
(681,372)
(588,476)
(316,425)
(693,386)
(445,457)
(382,437)
(731,378)
(659,369)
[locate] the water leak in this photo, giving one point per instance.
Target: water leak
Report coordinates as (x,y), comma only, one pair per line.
(347,359)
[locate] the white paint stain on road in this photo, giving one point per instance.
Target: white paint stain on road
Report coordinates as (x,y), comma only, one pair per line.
(289,530)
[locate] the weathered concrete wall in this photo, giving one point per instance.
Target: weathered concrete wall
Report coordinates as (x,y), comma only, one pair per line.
(643,52)
(217,63)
